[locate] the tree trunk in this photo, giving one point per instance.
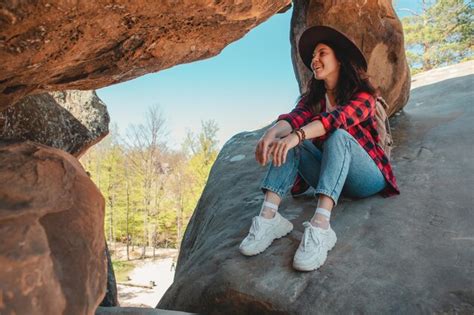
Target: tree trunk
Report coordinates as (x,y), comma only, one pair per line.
(127,233)
(111,219)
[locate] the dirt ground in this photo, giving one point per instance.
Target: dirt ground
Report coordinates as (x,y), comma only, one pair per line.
(155,273)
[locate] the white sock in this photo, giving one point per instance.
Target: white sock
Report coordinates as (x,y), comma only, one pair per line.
(268,207)
(321,218)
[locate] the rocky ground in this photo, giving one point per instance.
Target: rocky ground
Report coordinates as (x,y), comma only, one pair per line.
(143,282)
(157,271)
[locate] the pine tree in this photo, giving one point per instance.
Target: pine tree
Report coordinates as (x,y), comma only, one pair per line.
(440,35)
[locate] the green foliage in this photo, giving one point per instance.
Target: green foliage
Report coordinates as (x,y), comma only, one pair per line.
(122,269)
(440,35)
(203,150)
(151,191)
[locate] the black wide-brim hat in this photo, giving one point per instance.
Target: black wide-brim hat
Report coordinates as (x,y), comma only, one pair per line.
(316,34)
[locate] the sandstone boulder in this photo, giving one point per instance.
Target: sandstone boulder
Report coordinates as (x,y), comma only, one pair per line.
(407,254)
(70,120)
(52,248)
(375,28)
(61,45)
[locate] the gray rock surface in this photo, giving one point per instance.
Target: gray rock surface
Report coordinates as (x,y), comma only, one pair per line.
(70,120)
(408,254)
(136,311)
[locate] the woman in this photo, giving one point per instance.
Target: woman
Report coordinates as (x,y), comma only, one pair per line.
(342,157)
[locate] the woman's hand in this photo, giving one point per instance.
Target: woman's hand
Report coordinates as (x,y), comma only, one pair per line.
(262,152)
(279,148)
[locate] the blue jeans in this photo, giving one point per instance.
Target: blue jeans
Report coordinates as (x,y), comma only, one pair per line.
(343,166)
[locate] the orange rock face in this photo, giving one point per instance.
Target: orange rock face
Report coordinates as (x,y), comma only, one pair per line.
(60,45)
(374,27)
(52,248)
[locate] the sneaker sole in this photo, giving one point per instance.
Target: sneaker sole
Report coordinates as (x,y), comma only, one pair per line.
(289,228)
(311,267)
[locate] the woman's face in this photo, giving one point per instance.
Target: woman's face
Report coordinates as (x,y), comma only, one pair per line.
(324,63)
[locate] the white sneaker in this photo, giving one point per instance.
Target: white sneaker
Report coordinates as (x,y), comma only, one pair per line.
(314,246)
(263,232)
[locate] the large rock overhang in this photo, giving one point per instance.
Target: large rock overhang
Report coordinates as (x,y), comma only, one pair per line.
(84,45)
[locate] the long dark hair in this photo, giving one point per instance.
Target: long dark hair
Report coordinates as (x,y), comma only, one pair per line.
(352,79)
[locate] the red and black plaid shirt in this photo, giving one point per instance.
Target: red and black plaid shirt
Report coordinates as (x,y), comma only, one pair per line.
(356,117)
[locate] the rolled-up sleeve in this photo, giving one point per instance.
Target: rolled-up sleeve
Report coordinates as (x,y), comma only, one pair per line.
(357,110)
(299,116)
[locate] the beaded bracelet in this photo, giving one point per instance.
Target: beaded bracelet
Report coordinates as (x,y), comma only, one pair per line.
(303,135)
(299,136)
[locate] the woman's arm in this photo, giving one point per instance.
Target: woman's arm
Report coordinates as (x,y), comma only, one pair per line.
(281,129)
(357,110)
(280,147)
(354,112)
(314,129)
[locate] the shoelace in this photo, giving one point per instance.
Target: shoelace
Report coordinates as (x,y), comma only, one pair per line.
(309,232)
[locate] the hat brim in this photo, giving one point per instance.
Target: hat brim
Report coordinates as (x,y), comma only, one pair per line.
(316,34)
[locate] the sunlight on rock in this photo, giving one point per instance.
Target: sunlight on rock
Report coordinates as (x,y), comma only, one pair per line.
(237,158)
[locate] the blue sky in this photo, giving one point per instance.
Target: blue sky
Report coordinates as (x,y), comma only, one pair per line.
(243,88)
